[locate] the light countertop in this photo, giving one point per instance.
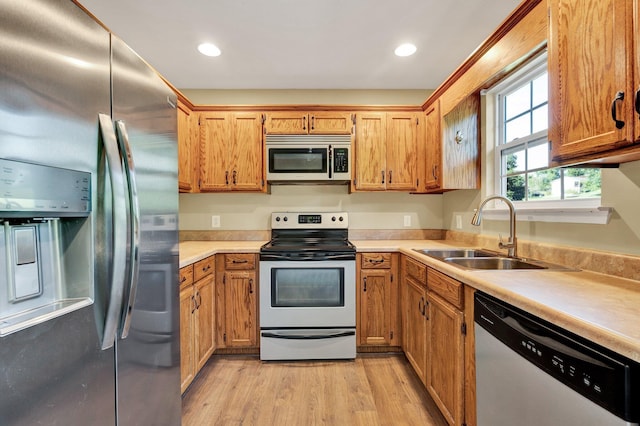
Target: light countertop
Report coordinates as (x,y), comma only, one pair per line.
(602,308)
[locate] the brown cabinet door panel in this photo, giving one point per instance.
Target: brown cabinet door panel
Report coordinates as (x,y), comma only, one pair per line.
(370,152)
(401,151)
(375,307)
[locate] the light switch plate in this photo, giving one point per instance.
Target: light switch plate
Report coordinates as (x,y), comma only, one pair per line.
(215,221)
(458,221)
(407,220)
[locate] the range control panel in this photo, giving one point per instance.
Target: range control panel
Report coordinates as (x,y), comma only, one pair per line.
(292,220)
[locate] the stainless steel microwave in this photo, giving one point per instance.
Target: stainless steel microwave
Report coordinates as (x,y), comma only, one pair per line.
(308,158)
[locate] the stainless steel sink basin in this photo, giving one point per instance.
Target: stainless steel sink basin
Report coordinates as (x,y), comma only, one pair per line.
(502,263)
(456,252)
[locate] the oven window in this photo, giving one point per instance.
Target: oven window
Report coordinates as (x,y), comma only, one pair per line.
(297,160)
(307,287)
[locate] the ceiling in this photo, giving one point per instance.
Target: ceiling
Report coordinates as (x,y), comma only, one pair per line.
(303,44)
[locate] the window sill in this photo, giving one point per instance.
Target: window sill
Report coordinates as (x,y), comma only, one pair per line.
(573,211)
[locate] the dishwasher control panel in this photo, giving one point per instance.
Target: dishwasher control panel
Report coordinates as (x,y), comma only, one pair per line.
(608,379)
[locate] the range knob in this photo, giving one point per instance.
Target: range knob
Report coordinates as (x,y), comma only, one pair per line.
(341,219)
(333,218)
(285,219)
(277,218)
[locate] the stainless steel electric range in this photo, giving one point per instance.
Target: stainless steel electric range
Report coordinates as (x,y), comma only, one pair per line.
(307,288)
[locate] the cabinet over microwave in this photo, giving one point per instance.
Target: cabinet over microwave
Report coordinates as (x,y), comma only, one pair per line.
(308,158)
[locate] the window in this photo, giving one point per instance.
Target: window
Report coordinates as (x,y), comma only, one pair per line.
(522,152)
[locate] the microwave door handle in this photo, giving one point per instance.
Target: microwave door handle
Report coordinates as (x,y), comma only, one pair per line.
(134,220)
(330,162)
(119,234)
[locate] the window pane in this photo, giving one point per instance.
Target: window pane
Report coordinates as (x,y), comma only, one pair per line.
(540,119)
(515,160)
(515,188)
(517,102)
(540,90)
(518,128)
(538,156)
(582,183)
(544,185)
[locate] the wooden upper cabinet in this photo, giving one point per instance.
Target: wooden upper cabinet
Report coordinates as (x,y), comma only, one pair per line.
(187,145)
(386,151)
(231,152)
(461,146)
(433,148)
(302,123)
(636,85)
(591,60)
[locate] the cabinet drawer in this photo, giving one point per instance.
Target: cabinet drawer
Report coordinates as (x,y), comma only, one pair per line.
(416,270)
(240,261)
(445,286)
(376,261)
(203,268)
(186,276)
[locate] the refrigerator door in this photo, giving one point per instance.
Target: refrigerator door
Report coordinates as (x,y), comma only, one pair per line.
(54,80)
(148,357)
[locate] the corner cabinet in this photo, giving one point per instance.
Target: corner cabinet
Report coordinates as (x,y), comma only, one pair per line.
(187,148)
(302,123)
(594,98)
(386,147)
(433,146)
(231,152)
(237,301)
(377,321)
(197,316)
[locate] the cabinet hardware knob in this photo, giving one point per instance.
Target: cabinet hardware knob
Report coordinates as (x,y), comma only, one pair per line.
(250,286)
(638,102)
(304,123)
(235,177)
(382,173)
(376,261)
(619,97)
(424,312)
(239,261)
(313,122)
(226,177)
(183,279)
(365,283)
(390,175)
(459,137)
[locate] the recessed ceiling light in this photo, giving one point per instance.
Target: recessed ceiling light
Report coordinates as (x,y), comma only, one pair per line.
(209,49)
(406,49)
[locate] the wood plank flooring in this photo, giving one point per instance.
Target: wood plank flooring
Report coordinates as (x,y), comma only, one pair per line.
(375,389)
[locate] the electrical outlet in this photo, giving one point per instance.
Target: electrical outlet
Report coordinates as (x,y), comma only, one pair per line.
(458,221)
(215,221)
(407,220)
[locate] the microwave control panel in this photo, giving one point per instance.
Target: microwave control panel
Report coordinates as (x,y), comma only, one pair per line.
(341,160)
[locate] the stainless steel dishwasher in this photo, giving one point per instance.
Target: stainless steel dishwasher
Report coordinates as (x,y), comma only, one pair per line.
(532,373)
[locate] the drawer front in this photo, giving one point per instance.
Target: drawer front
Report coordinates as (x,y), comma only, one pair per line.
(376,261)
(448,288)
(416,270)
(239,261)
(203,268)
(186,276)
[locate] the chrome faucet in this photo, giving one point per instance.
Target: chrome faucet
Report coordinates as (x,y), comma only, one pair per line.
(511,245)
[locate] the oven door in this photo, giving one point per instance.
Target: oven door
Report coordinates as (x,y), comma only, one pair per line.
(287,162)
(307,294)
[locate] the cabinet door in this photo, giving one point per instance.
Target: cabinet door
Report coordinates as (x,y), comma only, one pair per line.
(636,85)
(204,319)
(445,358)
(433,161)
(370,152)
(287,123)
(375,307)
(246,172)
(415,346)
(187,353)
(461,146)
(215,142)
(330,123)
(589,64)
(240,309)
(402,151)
(186,141)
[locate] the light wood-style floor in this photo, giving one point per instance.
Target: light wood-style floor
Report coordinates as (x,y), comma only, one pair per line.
(375,389)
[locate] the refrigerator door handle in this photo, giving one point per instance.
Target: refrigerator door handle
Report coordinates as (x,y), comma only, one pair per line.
(119,234)
(134,221)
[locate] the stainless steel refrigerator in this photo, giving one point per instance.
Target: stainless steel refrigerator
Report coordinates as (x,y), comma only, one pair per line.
(89,321)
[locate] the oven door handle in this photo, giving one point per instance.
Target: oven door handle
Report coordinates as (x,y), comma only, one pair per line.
(308,336)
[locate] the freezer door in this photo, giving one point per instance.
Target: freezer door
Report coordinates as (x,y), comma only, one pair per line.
(54,80)
(148,358)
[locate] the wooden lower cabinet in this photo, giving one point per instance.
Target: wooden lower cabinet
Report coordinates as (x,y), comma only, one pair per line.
(377,299)
(414,321)
(197,318)
(237,301)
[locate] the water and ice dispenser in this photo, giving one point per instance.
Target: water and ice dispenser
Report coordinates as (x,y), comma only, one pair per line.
(45,243)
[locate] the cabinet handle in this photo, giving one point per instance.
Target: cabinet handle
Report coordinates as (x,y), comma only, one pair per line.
(434,171)
(459,137)
(313,122)
(193,304)
(420,302)
(206,268)
(424,312)
(619,97)
(226,177)
(638,102)
(365,283)
(199,300)
(239,261)
(250,286)
(376,261)
(183,279)
(304,123)
(235,177)
(382,173)
(390,175)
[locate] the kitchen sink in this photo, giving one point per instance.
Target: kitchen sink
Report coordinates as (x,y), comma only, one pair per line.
(442,254)
(503,263)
